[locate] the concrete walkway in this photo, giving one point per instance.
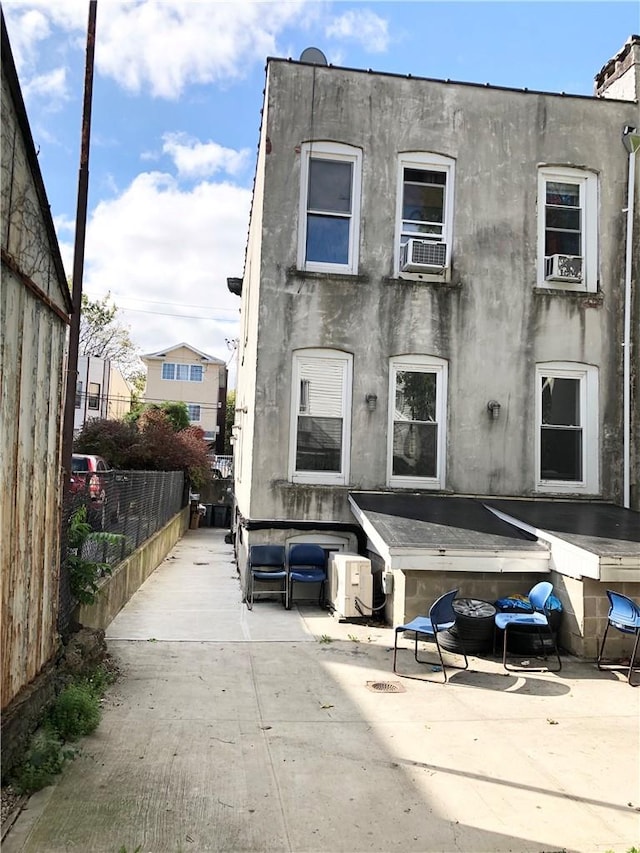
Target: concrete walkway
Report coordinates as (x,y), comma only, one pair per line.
(232,730)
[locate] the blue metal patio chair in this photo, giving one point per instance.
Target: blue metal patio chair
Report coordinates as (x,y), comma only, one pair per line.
(624,615)
(307,564)
(537,618)
(441,617)
(267,564)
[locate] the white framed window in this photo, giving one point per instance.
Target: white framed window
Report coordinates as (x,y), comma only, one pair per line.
(424,215)
(567,444)
(329,230)
(417,422)
(93,395)
(567,228)
(321,416)
(194,412)
(182,372)
(78,394)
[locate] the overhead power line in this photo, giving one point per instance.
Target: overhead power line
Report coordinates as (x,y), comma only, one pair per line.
(180,316)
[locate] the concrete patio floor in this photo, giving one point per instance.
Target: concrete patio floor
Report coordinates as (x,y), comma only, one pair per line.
(236,730)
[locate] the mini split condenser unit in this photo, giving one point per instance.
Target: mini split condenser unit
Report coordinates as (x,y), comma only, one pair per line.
(422,256)
(563,268)
(350,578)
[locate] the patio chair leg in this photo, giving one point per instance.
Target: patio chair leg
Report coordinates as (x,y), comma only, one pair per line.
(527,668)
(601,652)
(632,661)
(444,669)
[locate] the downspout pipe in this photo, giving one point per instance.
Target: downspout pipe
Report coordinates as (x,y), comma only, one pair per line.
(631,141)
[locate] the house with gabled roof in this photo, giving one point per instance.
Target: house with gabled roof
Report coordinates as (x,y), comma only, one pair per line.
(183,373)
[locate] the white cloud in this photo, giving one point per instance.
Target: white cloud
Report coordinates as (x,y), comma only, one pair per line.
(158,242)
(162,47)
(195,159)
(52,85)
(26,31)
(159,48)
(365,27)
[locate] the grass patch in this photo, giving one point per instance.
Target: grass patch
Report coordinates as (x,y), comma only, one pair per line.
(45,758)
(75,713)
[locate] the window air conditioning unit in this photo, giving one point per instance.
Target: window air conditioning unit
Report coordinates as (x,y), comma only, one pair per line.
(350,578)
(422,255)
(563,268)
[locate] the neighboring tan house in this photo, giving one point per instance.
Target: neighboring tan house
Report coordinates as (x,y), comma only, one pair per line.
(182,373)
(101,391)
(35,305)
(431,366)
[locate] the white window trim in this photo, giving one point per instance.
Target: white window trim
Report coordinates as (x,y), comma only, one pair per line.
(425,364)
(339,478)
(177,364)
(427,162)
(588,376)
(199,407)
(588,182)
(330,151)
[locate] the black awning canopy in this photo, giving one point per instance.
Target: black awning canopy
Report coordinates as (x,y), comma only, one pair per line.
(432,532)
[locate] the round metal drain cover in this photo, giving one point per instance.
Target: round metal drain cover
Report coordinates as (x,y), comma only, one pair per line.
(386,687)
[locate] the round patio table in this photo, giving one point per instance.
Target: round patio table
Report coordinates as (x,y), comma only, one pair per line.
(474,627)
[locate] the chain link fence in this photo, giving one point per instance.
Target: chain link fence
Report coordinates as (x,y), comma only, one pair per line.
(131,505)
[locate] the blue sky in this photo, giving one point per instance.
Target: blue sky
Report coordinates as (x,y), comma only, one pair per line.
(176,113)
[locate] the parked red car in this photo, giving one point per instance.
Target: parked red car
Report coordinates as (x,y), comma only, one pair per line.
(89,475)
(85,473)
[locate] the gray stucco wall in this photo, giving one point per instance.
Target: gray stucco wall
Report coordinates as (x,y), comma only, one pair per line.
(490,322)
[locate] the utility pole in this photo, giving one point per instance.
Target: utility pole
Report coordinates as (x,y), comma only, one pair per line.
(78,250)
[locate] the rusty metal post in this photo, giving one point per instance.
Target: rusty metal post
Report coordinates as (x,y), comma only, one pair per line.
(64,588)
(78,250)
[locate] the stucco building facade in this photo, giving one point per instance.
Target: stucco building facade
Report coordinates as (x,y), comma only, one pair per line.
(433,310)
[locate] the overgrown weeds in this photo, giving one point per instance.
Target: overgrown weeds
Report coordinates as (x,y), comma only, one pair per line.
(75,713)
(45,758)
(85,573)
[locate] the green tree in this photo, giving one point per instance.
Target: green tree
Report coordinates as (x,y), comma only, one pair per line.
(230,417)
(103,335)
(152,443)
(176,413)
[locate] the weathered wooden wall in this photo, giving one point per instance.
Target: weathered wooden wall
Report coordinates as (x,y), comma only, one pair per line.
(34,307)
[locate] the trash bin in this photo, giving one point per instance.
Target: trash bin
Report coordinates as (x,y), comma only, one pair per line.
(220,515)
(208,516)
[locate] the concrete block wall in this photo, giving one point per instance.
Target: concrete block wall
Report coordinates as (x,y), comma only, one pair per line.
(584,601)
(595,610)
(116,590)
(422,588)
(570,591)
